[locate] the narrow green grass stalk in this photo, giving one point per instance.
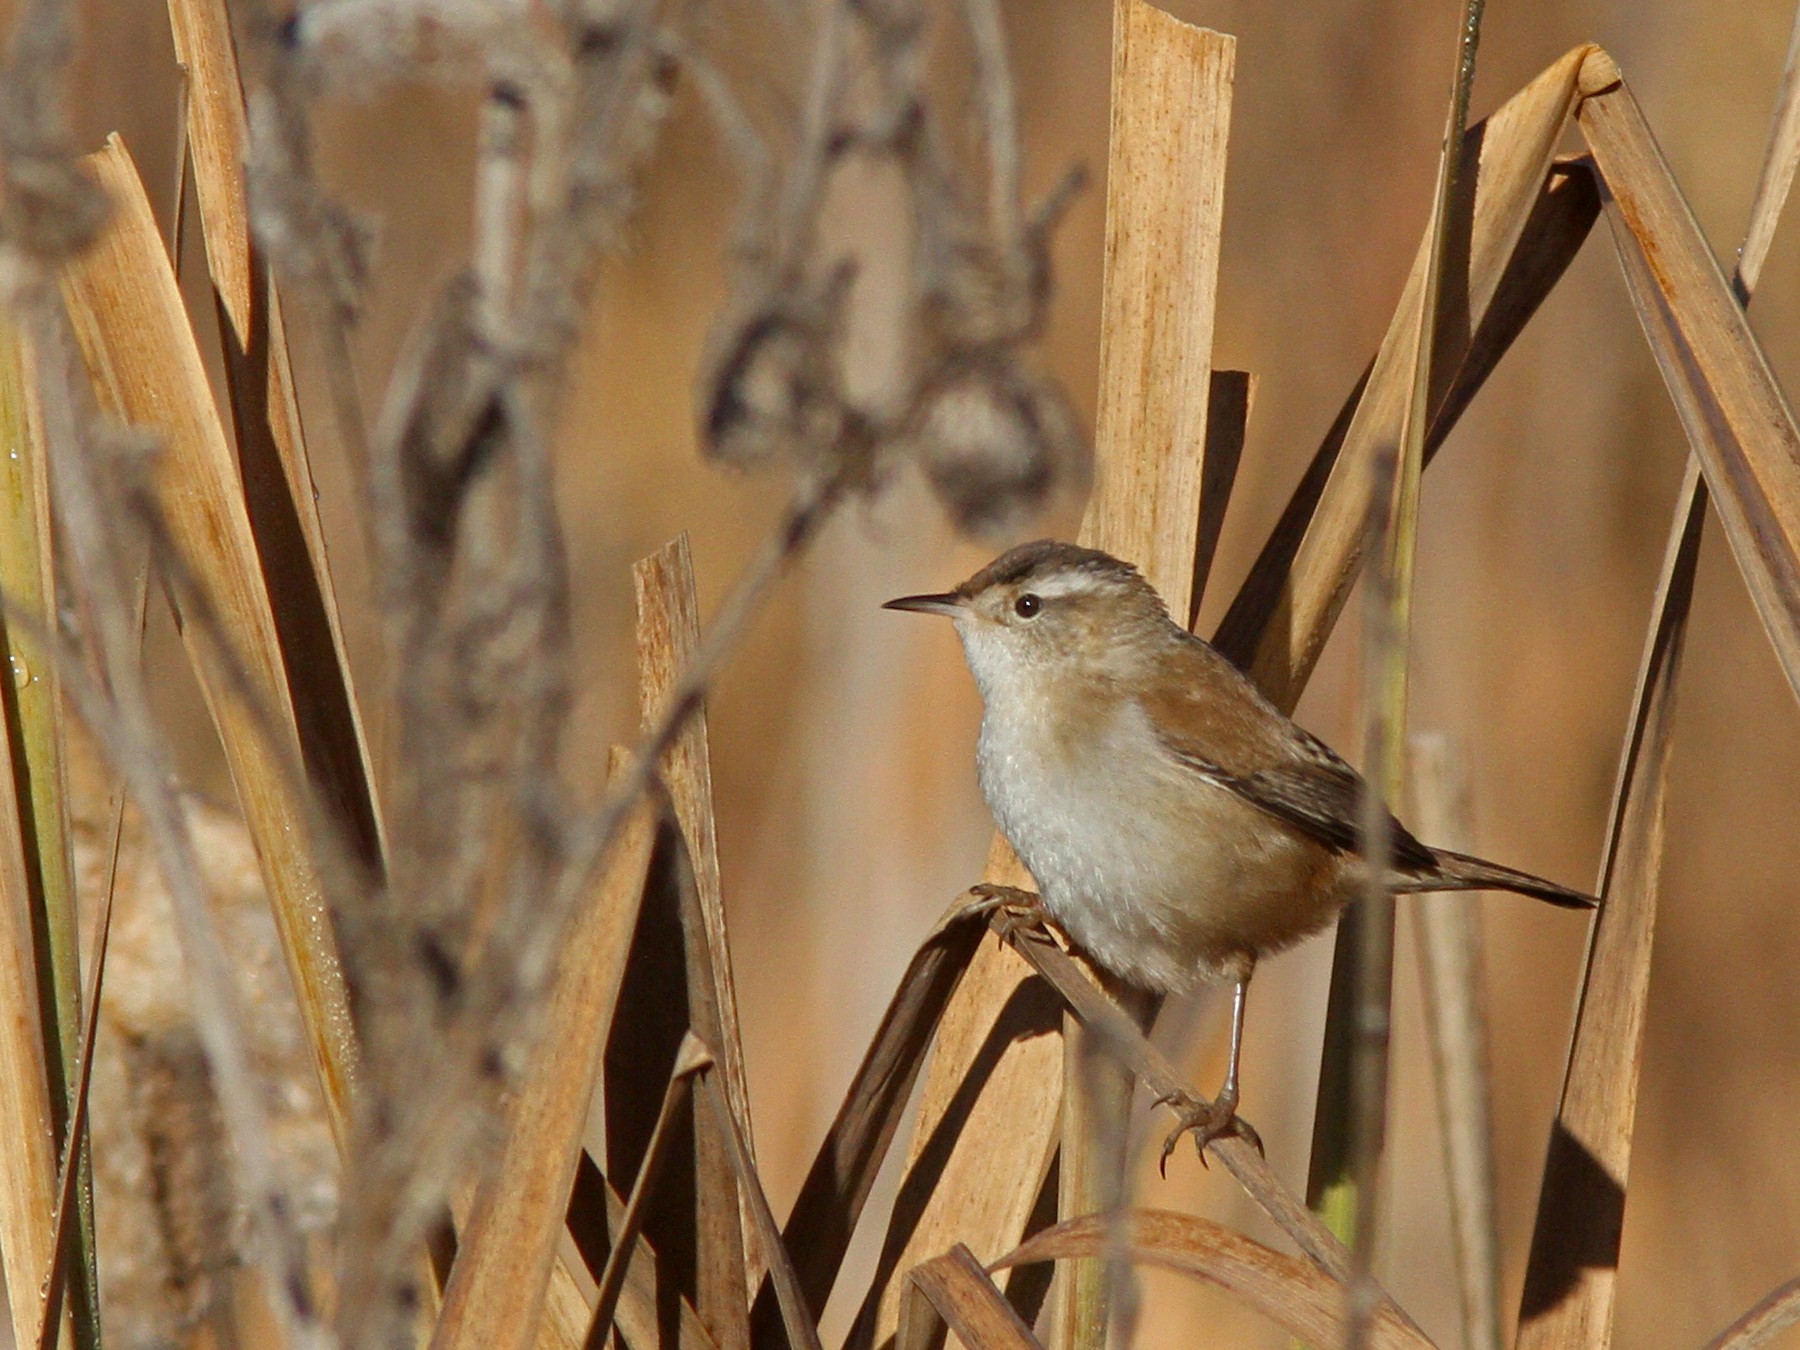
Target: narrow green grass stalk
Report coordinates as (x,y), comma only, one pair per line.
(29,700)
(1349,1127)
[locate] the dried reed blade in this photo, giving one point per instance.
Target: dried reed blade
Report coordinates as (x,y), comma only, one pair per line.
(40,970)
(831,1199)
(1291,1293)
(1780,159)
(1773,1314)
(1736,417)
(88,515)
(127,314)
(1514,228)
(802,1331)
(28,1167)
(1453,979)
(272,453)
(953,1291)
(596,1213)
(74,1148)
(1570,1279)
(508,1249)
(611,1283)
(668,640)
(1171,106)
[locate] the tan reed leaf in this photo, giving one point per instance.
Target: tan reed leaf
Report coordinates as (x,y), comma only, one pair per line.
(802,1330)
(134,334)
(1774,1313)
(1165,197)
(1515,227)
(1291,1293)
(509,1248)
(272,454)
(69,1177)
(953,1291)
(843,1172)
(1571,1275)
(1733,409)
(596,1213)
(690,1060)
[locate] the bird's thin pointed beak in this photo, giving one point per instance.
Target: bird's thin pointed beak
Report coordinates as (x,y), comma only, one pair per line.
(947,603)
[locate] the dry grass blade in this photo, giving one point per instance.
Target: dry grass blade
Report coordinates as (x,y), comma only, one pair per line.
(67,1193)
(1736,417)
(1569,1282)
(802,1330)
(127,314)
(1773,1314)
(831,1199)
(1514,228)
(691,933)
(1294,1295)
(1780,160)
(1569,1285)
(33,706)
(953,1291)
(272,454)
(508,1250)
(690,1061)
(1171,105)
(1453,981)
(33,1102)
(596,1215)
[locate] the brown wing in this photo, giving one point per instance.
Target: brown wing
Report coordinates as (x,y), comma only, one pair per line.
(1215,722)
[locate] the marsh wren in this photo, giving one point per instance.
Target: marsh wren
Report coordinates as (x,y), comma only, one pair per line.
(1179,826)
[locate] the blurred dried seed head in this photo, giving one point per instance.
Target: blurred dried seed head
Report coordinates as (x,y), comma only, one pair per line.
(997,444)
(772,391)
(50,208)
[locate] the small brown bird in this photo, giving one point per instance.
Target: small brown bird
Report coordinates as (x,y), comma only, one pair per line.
(1178,824)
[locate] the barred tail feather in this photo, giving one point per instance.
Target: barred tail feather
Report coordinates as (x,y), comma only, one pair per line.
(1460,872)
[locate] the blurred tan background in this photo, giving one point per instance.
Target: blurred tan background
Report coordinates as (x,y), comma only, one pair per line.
(843,736)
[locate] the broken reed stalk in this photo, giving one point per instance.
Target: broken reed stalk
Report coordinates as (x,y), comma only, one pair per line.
(1165,193)
(1165,198)
(1568,1297)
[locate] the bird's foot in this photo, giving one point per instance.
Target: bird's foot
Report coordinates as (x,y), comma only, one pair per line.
(1010,909)
(1208,1121)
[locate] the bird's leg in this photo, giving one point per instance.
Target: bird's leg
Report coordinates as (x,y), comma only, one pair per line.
(1017,910)
(1219,1117)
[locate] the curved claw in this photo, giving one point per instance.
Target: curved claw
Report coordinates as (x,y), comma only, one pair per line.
(1208,1121)
(1016,910)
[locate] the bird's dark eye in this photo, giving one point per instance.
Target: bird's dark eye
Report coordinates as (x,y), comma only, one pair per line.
(1027,605)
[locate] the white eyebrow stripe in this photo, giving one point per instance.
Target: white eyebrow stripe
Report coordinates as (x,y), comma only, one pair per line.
(1064,583)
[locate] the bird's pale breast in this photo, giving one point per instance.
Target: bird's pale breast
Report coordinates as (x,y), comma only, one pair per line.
(1159,874)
